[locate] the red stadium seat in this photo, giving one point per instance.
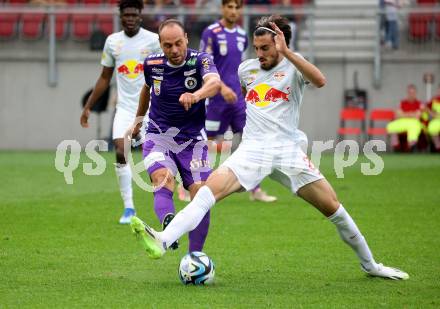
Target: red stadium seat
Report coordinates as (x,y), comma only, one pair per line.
(32,25)
(61,26)
(18,2)
(298,2)
(188,2)
(356,118)
(91,3)
(8,25)
(427,2)
(112,2)
(419,26)
(105,23)
(379,115)
(82,26)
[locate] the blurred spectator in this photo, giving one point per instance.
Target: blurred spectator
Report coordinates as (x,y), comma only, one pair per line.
(405,131)
(391,8)
(434,125)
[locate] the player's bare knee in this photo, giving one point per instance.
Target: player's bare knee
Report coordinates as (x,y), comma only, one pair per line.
(163,178)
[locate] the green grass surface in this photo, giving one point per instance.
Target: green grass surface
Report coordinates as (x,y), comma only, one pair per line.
(61,246)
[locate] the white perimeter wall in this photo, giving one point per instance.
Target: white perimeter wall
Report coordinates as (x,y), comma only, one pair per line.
(36,116)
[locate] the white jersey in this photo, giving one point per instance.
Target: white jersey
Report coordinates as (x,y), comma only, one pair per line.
(273,100)
(127,55)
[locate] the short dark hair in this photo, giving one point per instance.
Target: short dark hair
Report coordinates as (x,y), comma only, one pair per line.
(170,22)
(238,2)
(137,4)
(281,22)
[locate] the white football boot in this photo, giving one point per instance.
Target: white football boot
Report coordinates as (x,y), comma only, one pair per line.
(386,272)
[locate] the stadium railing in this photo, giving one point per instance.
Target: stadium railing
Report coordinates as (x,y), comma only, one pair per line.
(420,25)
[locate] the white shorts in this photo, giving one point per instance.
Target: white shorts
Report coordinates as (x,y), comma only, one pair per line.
(287,164)
(123,120)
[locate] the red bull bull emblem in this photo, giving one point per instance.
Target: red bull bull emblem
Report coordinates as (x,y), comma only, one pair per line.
(131,68)
(279,75)
(262,95)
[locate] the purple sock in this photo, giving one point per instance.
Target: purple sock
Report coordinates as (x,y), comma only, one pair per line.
(163,203)
(197,236)
(256,188)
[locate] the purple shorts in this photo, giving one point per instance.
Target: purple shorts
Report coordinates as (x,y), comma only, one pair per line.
(220,115)
(188,157)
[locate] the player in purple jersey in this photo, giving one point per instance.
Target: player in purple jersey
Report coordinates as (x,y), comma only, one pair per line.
(226,42)
(180,80)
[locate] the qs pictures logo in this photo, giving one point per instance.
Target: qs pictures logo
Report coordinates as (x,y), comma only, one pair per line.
(263,94)
(131,68)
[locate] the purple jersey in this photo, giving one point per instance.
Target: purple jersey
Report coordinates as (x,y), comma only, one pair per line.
(226,47)
(168,83)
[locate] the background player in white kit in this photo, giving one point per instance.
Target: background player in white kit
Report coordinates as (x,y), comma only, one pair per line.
(126,51)
(271,146)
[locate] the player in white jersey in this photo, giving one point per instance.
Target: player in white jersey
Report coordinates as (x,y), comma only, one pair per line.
(271,146)
(126,51)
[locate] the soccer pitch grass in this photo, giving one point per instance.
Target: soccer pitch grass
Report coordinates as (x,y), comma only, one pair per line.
(61,246)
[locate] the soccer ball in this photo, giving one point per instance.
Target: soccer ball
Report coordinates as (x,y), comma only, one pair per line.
(196,268)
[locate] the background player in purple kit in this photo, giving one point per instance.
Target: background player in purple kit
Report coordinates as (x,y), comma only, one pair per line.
(180,80)
(226,42)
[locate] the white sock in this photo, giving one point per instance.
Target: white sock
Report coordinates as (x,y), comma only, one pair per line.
(351,235)
(189,217)
(123,172)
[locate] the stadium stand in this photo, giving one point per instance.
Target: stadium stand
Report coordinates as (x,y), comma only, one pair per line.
(93,3)
(18,2)
(82,26)
(104,23)
(61,26)
(8,25)
(379,116)
(113,2)
(418,29)
(32,25)
(352,123)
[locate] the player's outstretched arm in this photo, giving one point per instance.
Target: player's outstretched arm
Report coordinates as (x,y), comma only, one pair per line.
(211,86)
(309,71)
(101,85)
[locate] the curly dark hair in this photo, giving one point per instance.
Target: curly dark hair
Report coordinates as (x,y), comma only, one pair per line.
(138,4)
(281,22)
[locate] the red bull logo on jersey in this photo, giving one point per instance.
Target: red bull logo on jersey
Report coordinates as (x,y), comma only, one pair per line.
(131,68)
(263,94)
